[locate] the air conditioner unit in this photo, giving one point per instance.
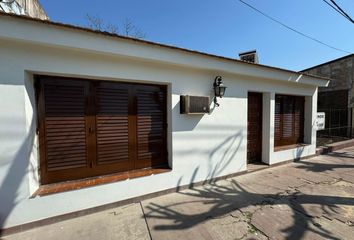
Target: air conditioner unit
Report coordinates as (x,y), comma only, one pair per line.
(194,104)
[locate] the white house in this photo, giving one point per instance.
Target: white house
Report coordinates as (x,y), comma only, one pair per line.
(89,119)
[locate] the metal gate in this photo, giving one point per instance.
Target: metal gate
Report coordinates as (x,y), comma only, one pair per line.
(337,126)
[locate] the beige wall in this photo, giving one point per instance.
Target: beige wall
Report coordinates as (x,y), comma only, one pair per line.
(341,72)
(32,8)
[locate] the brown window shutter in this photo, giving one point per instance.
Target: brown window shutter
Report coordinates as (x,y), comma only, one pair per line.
(112,126)
(289,120)
(287,117)
(277,122)
(63,107)
(92,128)
(151,126)
(299,119)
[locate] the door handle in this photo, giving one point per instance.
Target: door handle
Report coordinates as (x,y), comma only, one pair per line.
(90,129)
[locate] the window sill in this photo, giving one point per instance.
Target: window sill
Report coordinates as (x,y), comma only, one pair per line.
(89,182)
(288,147)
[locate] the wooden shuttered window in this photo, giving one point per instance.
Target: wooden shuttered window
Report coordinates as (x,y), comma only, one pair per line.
(289,120)
(93,128)
(64,125)
(151,102)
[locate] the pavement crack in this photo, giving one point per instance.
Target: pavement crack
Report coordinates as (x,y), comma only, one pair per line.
(252,229)
(146,222)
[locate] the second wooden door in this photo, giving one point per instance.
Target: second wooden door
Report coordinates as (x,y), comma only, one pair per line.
(254,128)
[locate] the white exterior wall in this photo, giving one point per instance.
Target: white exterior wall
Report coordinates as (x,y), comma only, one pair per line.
(200,146)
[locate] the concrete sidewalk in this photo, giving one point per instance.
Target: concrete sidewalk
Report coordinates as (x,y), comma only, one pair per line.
(311,199)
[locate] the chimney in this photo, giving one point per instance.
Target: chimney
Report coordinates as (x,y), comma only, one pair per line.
(249,56)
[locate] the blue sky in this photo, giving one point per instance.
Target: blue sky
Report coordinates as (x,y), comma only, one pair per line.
(227,27)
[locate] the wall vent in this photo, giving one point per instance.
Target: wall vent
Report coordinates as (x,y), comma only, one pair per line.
(250,56)
(194,104)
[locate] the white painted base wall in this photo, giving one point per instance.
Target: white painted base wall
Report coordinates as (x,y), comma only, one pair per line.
(200,146)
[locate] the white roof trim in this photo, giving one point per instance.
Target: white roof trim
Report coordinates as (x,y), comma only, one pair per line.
(22,29)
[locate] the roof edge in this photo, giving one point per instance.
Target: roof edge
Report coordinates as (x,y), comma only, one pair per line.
(102,33)
(329,62)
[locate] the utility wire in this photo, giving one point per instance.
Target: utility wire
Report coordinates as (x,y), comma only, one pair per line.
(292,29)
(336,9)
(340,9)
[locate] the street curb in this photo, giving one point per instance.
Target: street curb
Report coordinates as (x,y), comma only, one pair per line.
(334,147)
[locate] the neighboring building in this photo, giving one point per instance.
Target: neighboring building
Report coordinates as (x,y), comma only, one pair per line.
(89,119)
(337,100)
(30,8)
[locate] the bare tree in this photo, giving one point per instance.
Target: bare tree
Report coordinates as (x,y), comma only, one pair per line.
(94,22)
(128,28)
(112,29)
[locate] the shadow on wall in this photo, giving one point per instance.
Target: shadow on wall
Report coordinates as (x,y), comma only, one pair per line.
(298,153)
(218,160)
(9,187)
(228,149)
(17,167)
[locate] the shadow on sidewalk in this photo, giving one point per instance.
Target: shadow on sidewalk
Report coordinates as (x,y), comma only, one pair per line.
(221,200)
(323,167)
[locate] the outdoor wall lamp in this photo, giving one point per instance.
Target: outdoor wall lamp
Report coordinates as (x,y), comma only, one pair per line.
(219,89)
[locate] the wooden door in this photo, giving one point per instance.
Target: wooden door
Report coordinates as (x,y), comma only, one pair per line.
(254,127)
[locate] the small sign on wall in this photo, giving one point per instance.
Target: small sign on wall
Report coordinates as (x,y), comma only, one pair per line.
(320,121)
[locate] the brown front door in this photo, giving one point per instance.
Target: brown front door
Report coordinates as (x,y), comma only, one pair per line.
(254,128)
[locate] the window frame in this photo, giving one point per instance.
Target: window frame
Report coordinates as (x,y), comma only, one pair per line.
(93,172)
(297,118)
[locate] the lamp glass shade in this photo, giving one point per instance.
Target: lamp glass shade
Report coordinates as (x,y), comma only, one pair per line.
(220,90)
